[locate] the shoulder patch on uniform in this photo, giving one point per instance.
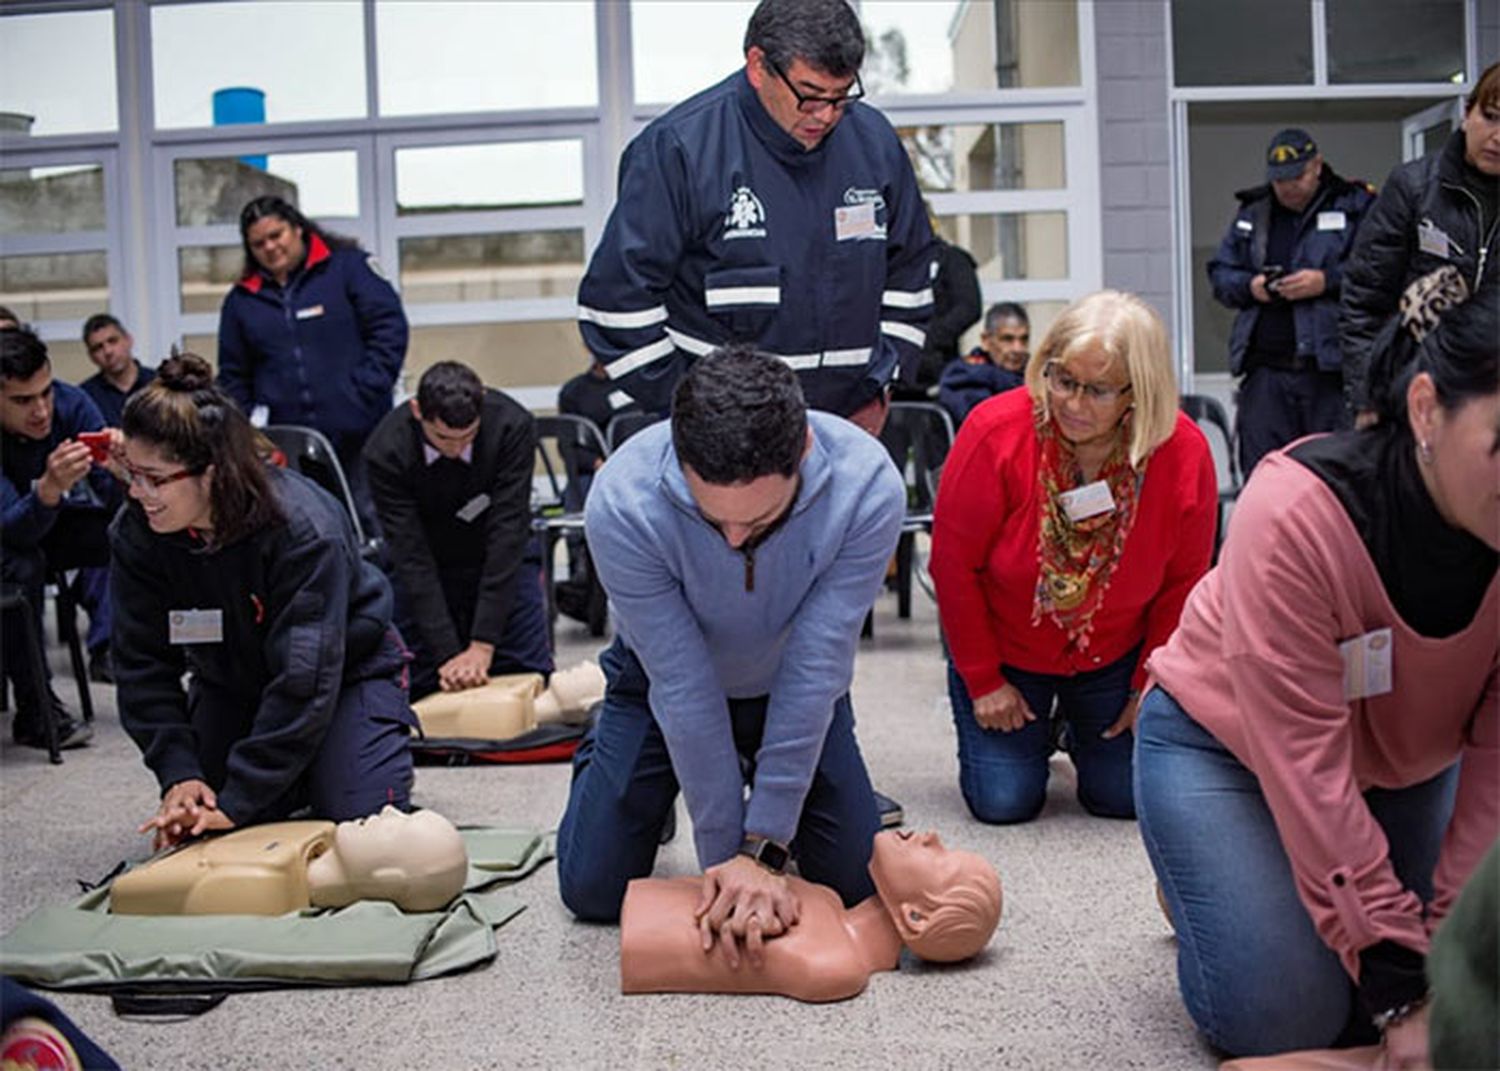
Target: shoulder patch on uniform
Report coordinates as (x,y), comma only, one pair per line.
(374,266)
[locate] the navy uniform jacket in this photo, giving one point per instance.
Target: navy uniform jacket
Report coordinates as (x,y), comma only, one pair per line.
(452,517)
(111,399)
(25,521)
(1325,236)
(727,229)
(303,614)
(324,351)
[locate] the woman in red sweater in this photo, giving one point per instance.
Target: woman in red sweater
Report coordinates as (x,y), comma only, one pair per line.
(1072,520)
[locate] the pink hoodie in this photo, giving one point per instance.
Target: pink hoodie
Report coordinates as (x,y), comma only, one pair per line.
(1256,662)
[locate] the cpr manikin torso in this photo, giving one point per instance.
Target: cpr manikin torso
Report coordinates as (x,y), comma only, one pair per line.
(942,904)
(512,704)
(417,861)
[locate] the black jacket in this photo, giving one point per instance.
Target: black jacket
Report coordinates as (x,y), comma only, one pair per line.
(453,517)
(1325,236)
(1426,216)
(303,615)
(956,305)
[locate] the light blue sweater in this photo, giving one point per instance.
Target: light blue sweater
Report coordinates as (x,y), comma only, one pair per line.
(678,592)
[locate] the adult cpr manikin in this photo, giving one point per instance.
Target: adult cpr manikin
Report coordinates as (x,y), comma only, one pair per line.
(416,861)
(944,905)
(511,704)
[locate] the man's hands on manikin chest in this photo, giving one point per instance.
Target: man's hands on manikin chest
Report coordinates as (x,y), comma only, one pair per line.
(744,904)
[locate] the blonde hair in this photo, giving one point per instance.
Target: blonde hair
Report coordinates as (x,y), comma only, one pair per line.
(1127,330)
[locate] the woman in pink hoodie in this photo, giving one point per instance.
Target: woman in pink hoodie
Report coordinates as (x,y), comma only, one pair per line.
(1318,755)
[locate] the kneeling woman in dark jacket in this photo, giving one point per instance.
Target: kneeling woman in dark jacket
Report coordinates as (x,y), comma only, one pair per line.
(247,578)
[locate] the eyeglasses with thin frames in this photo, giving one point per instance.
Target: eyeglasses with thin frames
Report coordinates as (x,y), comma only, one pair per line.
(1063,385)
(809,105)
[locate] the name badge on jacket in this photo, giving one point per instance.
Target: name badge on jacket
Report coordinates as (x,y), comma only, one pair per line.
(195,626)
(1331,221)
(473,507)
(1087,501)
(310,312)
(1367,664)
(1432,239)
(854,221)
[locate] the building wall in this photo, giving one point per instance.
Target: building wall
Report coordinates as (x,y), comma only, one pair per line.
(1134,171)
(1487,27)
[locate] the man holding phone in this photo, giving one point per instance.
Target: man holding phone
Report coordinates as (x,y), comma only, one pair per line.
(56,501)
(1280,265)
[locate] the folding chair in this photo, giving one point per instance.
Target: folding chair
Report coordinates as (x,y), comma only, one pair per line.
(625,425)
(566,446)
(1209,415)
(310,453)
(14,604)
(922,433)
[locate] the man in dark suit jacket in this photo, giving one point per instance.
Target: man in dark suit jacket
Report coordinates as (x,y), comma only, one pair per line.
(451,477)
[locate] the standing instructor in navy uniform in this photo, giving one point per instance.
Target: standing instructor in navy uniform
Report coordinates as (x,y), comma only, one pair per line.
(775,209)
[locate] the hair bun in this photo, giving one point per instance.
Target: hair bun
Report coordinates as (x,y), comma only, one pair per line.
(186,372)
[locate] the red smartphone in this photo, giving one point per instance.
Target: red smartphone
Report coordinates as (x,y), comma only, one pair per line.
(98,444)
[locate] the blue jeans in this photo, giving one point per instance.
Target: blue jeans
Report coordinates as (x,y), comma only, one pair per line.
(1254,974)
(1003,776)
(623,789)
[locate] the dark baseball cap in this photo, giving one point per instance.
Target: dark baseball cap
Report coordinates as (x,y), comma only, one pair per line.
(1288,154)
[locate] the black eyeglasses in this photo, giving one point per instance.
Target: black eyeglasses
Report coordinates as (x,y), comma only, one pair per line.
(807,105)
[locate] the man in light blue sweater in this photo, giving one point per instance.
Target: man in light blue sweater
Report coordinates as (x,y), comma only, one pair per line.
(742,545)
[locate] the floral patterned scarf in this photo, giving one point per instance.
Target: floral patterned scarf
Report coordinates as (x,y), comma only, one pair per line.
(1078,557)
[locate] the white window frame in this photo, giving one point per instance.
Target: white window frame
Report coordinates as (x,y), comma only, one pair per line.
(1319,89)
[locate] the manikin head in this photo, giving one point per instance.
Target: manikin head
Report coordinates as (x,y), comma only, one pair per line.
(417,861)
(945,904)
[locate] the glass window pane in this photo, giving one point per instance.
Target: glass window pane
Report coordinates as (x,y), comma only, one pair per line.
(482,55)
(54,286)
(211,191)
(539,353)
(307,57)
(1241,42)
(466,178)
(677,49)
(491,267)
(982,156)
(1395,40)
(934,46)
(204,275)
(57,73)
(1012,245)
(52,200)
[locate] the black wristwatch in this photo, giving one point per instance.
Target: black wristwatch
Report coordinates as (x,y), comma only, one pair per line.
(774,857)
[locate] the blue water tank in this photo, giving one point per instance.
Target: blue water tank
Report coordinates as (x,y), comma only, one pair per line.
(241,104)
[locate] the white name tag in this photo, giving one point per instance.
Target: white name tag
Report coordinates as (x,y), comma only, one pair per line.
(1367,664)
(310,312)
(1331,221)
(854,221)
(1087,501)
(195,626)
(1432,239)
(1243,225)
(473,507)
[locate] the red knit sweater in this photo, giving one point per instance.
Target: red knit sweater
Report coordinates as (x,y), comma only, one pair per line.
(984,550)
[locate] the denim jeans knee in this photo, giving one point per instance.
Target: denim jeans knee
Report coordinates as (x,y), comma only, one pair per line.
(1003,776)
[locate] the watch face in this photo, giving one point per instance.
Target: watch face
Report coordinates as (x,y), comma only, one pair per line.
(773,855)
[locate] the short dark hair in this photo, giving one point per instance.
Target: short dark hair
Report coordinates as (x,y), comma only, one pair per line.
(451,392)
(183,413)
(739,415)
(22,353)
(823,33)
(98,322)
(1005,310)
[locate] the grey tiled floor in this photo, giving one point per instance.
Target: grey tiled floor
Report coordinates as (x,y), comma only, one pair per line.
(1079,975)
